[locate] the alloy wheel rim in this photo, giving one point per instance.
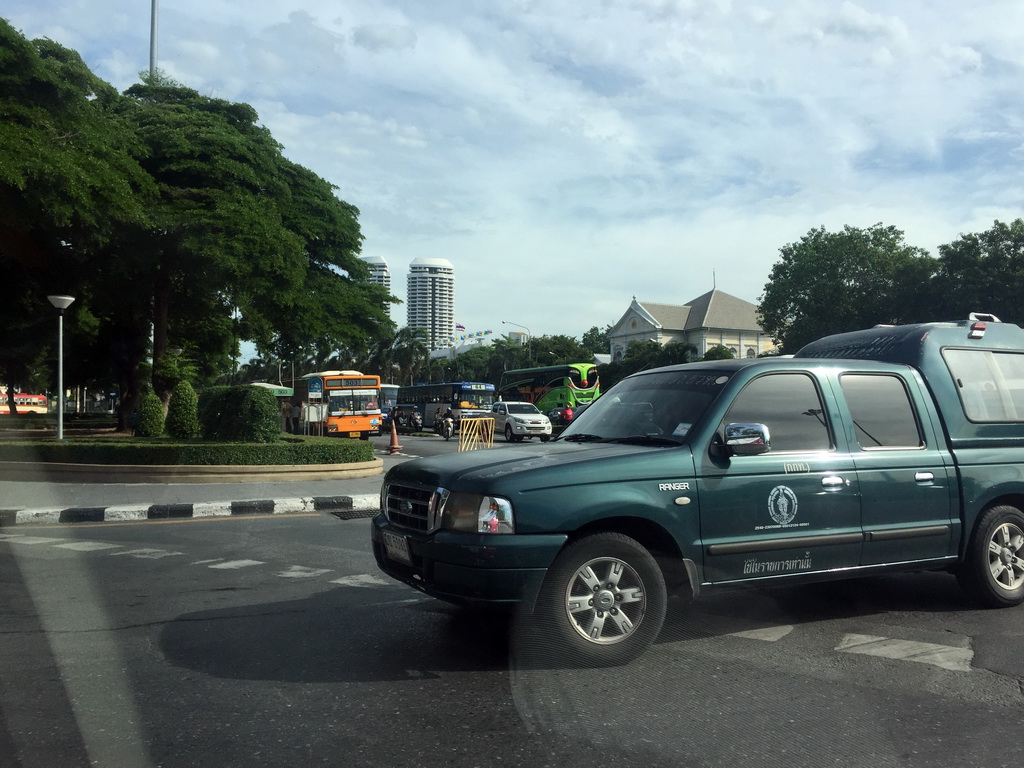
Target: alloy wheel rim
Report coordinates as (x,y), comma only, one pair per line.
(605,600)
(1005,550)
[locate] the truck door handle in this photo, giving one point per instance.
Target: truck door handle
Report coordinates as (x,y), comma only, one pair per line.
(832,481)
(923,477)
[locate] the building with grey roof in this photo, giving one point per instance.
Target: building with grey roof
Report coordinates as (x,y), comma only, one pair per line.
(712,319)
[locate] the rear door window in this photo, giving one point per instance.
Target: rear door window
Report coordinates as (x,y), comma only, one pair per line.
(883,416)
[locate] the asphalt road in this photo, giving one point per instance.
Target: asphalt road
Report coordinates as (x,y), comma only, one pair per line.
(253,641)
(274,641)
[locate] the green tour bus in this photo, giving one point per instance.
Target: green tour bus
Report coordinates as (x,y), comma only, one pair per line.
(551,386)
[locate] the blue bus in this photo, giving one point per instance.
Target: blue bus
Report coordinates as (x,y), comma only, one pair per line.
(466,399)
(388,397)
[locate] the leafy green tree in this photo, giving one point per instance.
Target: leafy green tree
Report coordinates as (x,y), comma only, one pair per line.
(982,272)
(830,282)
(243,244)
(69,181)
(68,176)
(558,349)
(596,340)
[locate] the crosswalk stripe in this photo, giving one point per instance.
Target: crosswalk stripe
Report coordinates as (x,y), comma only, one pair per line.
(87,546)
(362,580)
(32,540)
(236,564)
(944,656)
(145,554)
(302,572)
(767,634)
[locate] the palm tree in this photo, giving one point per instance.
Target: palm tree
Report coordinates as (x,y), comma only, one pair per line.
(409,352)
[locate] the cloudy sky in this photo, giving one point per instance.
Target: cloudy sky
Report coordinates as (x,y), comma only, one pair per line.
(566,155)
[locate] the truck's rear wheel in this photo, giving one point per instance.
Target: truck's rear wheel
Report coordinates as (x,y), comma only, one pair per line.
(603,600)
(993,571)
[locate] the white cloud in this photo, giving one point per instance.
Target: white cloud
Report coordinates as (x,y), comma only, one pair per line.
(605,148)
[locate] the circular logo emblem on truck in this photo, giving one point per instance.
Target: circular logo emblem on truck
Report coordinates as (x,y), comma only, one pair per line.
(782,505)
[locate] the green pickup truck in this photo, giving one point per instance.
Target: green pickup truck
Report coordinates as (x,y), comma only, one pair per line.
(893,448)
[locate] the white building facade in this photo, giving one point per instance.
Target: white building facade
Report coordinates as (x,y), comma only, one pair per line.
(379,271)
(712,319)
(430,299)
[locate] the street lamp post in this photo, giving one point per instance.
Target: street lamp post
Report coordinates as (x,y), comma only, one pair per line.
(529,336)
(61,303)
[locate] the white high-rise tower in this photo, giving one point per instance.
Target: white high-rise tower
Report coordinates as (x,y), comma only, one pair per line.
(379,272)
(430,298)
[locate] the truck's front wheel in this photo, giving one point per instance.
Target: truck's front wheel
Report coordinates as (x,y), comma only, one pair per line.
(993,571)
(603,600)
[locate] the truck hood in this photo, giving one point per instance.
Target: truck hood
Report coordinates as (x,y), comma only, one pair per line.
(520,469)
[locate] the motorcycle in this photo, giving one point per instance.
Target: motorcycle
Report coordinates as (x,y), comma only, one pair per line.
(446,427)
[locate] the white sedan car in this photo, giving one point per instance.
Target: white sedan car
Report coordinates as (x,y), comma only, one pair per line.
(519,420)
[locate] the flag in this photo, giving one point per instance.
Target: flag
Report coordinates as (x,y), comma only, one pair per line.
(460,327)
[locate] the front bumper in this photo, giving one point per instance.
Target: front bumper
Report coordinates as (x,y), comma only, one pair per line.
(532,429)
(470,568)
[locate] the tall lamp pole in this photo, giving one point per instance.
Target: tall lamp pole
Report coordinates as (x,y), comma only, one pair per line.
(529,336)
(61,303)
(153,37)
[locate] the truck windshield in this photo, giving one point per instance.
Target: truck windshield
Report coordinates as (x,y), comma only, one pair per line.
(664,404)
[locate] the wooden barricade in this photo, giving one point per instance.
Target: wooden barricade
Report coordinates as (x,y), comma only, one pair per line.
(476,433)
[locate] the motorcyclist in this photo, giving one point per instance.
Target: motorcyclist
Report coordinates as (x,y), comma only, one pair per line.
(440,423)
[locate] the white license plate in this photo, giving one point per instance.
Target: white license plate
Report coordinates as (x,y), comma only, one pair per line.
(397,547)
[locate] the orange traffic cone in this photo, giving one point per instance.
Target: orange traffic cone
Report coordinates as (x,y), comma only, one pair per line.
(394,447)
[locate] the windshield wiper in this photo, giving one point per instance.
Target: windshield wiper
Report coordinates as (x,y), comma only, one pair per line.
(643,440)
(582,438)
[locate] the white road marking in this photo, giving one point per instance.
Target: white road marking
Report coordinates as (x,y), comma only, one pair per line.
(767,634)
(302,572)
(146,554)
(87,546)
(363,580)
(236,564)
(944,656)
(33,540)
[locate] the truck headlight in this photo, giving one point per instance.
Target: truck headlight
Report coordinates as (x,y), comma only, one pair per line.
(475,513)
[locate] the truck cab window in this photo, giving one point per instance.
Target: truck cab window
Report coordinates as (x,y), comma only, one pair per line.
(789,404)
(883,416)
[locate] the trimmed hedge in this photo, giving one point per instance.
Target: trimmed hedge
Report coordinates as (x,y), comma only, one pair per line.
(240,414)
(322,450)
(36,421)
(151,417)
(183,413)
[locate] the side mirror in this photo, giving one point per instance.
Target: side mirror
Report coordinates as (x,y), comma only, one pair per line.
(747,439)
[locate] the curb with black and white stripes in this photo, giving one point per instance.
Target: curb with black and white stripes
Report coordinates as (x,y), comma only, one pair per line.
(344,507)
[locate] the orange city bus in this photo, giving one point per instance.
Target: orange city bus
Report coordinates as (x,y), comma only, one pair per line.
(347,403)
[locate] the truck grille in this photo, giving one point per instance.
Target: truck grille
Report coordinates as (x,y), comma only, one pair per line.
(413,507)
